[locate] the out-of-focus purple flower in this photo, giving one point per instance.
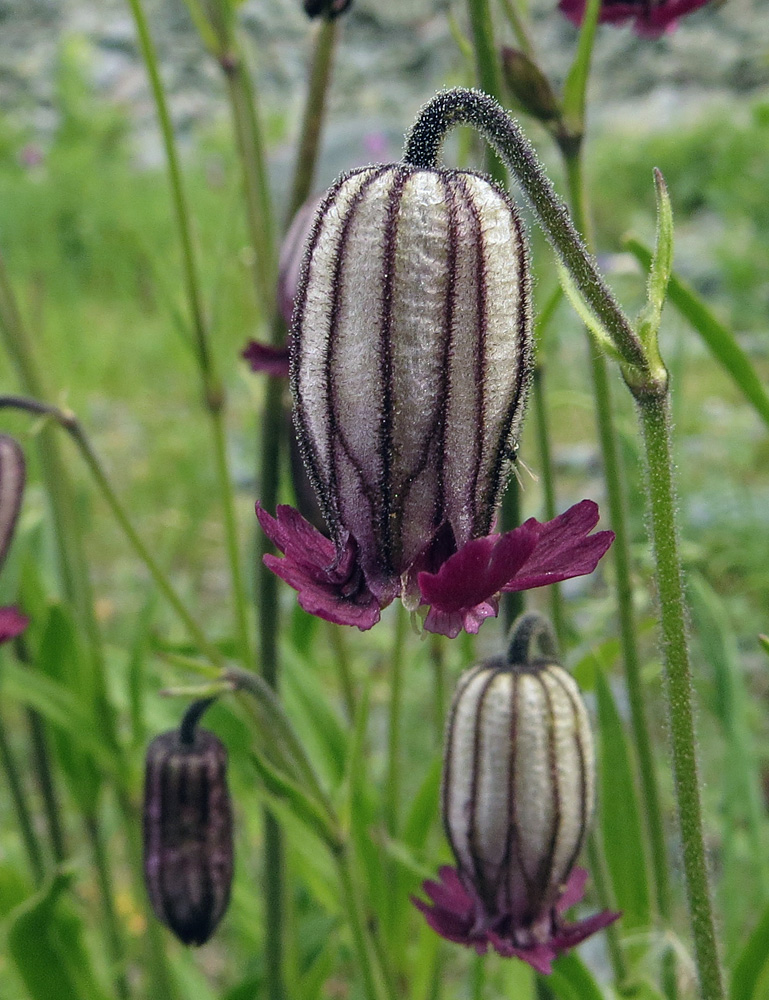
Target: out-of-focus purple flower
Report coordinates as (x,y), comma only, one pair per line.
(12,475)
(517,799)
(411,355)
(650,18)
(266,358)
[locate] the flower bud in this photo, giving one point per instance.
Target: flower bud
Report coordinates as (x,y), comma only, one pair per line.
(188,851)
(518,787)
(411,362)
(328,8)
(529,85)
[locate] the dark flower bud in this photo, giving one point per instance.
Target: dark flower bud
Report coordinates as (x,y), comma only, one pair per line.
(529,85)
(188,851)
(327,8)
(518,790)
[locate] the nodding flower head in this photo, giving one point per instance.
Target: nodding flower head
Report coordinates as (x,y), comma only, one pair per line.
(517,800)
(188,848)
(411,357)
(12,476)
(650,18)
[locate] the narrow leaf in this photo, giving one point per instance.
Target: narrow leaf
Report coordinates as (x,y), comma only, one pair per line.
(572,980)
(620,815)
(585,313)
(752,962)
(720,341)
(45,941)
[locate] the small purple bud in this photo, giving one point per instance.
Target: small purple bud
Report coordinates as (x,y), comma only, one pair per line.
(188,849)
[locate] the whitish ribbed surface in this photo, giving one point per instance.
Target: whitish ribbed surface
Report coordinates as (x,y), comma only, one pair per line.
(518,783)
(11,486)
(412,354)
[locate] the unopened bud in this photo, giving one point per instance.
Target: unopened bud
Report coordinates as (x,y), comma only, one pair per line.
(529,85)
(518,783)
(188,851)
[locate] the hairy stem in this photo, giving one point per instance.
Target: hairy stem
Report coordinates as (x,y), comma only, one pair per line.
(655,422)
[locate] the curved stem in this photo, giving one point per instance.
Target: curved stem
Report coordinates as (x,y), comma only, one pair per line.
(470,107)
(655,422)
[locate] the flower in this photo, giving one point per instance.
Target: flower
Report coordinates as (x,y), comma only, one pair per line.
(650,18)
(465,585)
(458,915)
(517,798)
(188,849)
(12,475)
(411,356)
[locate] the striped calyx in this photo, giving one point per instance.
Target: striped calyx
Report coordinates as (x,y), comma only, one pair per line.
(518,788)
(410,363)
(12,475)
(188,850)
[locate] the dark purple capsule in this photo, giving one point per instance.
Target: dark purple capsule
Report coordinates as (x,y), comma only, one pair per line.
(188,851)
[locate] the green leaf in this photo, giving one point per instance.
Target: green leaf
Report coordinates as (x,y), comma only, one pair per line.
(575,87)
(305,808)
(660,270)
(59,707)
(45,941)
(572,980)
(752,962)
(425,808)
(720,341)
(585,313)
(620,816)
(763,641)
(136,672)
(14,888)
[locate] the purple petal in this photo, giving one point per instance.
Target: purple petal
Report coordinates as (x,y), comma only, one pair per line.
(570,935)
(650,20)
(12,623)
(327,578)
(12,475)
(462,592)
(574,891)
(564,548)
(265,358)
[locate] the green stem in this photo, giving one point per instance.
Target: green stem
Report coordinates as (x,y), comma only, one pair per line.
(438,660)
(159,980)
(314,112)
(393,781)
(21,808)
(655,421)
(373,978)
(344,670)
(597,863)
(69,423)
(519,27)
(248,136)
(213,393)
(548,489)
(487,70)
(617,503)
(42,765)
(115,943)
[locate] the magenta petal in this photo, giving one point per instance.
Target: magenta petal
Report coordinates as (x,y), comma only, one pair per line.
(265,358)
(477,571)
(564,548)
(574,891)
(327,578)
(12,623)
(571,935)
